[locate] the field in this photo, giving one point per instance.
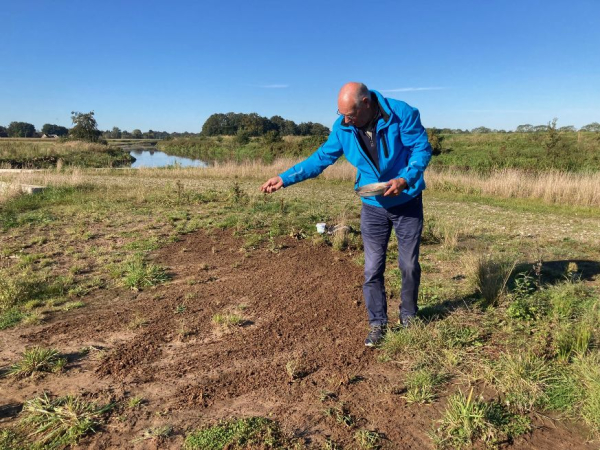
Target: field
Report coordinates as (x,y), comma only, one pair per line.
(181,307)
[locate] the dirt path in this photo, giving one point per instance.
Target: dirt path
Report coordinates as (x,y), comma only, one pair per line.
(301,305)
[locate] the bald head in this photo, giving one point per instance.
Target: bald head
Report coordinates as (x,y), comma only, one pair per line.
(352,93)
(354,102)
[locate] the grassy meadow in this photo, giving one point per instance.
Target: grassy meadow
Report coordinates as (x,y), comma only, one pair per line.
(509,323)
(531,152)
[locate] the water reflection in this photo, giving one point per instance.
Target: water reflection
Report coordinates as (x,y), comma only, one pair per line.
(155,158)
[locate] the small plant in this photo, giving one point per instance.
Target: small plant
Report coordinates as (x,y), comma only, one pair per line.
(463,421)
(331,445)
(13,291)
(138,321)
(525,285)
(180,309)
(61,422)
(243,433)
(326,395)
(523,378)
(237,194)
(157,432)
(135,402)
(422,386)
(296,369)
(137,274)
(341,415)
(228,320)
(36,360)
(72,305)
(367,440)
(489,277)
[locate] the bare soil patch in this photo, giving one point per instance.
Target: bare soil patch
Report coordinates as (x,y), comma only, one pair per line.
(297,350)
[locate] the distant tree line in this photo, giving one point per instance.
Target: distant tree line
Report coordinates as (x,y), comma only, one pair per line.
(239,124)
(526,128)
(254,125)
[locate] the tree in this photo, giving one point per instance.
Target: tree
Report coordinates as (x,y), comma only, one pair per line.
(278,123)
(21,129)
(49,128)
(85,127)
(319,130)
(137,134)
(3,132)
(304,128)
(594,126)
(115,133)
(481,130)
(527,128)
(567,129)
(435,139)
(289,128)
(552,138)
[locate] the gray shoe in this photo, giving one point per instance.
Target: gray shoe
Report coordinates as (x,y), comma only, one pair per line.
(407,321)
(376,335)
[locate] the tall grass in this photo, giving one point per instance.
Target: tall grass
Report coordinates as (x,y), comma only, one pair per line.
(553,187)
(560,188)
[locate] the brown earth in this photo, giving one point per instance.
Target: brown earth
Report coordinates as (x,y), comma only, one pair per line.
(301,303)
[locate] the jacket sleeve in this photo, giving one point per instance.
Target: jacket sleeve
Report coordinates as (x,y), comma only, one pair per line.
(324,156)
(414,136)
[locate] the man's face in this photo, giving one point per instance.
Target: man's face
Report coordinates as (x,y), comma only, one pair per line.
(357,115)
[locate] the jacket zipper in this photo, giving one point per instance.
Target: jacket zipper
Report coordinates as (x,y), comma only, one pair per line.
(385,147)
(364,155)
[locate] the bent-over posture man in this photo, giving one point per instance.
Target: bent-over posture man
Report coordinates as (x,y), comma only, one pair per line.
(384,139)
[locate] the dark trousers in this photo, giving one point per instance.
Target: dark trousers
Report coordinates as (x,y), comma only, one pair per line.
(376,226)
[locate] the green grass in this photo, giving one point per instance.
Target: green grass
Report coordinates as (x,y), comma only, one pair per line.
(367,440)
(138,274)
(61,422)
(10,318)
(237,434)
(11,440)
(36,360)
(468,419)
(227,320)
(422,385)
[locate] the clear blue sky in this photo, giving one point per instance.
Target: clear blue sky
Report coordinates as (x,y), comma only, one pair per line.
(169,65)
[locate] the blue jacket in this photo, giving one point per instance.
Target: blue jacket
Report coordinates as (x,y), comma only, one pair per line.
(404,152)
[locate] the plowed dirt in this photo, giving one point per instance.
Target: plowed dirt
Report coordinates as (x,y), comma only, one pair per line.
(300,308)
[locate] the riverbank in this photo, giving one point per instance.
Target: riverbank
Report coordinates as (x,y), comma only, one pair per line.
(44,154)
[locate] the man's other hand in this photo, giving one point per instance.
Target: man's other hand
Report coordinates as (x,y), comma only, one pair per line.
(395,187)
(272,185)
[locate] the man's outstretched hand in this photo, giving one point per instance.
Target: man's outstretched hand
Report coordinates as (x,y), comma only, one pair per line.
(394,187)
(272,185)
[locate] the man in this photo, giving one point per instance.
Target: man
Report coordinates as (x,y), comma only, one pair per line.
(384,139)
